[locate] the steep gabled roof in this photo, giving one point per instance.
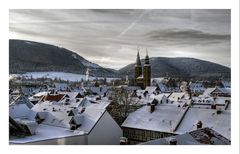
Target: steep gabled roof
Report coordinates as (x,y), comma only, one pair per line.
(209,117)
(138,61)
(204,136)
(22,100)
(162,119)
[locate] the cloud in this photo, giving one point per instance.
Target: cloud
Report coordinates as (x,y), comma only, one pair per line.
(107,35)
(186,37)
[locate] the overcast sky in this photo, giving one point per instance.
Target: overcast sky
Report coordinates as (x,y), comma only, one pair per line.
(110,38)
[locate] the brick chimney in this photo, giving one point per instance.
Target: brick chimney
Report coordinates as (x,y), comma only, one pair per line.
(199,125)
(213,106)
(152,108)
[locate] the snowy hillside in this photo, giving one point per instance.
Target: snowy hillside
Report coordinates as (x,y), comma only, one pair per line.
(59,75)
(28,56)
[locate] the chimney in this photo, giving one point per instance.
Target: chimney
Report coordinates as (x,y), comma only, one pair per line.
(152,108)
(227,101)
(83,109)
(172,141)
(213,106)
(199,125)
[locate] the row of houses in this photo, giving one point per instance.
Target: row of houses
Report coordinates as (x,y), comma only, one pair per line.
(171,114)
(63,118)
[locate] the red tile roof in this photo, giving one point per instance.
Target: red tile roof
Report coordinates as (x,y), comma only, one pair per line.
(55,97)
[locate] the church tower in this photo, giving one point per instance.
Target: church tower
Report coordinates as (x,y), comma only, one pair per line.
(138,68)
(147,71)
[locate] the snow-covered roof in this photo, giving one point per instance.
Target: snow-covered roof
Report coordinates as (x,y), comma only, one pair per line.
(209,117)
(140,77)
(150,90)
(72,95)
(99,90)
(176,119)
(204,136)
(15,92)
(92,102)
(22,100)
(86,113)
(209,91)
(61,118)
(56,123)
(160,97)
(78,119)
(140,91)
(21,111)
(197,87)
(30,124)
(46,132)
(222,100)
(158,79)
(162,119)
(58,112)
(166,94)
(175,96)
(23,115)
(149,98)
(159,83)
(226,90)
(40,94)
(61,86)
(205,100)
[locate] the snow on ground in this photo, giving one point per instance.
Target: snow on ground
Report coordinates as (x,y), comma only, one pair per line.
(61,75)
(86,63)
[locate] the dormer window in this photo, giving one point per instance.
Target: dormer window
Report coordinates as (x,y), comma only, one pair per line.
(79,96)
(75,122)
(53,109)
(83,110)
(74,126)
(71,113)
(39,118)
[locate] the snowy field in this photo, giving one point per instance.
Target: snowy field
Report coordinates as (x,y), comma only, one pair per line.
(58,75)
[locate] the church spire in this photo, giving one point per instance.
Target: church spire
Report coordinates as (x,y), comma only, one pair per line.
(138,61)
(147,57)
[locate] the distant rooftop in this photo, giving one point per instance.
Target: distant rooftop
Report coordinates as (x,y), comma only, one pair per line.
(204,136)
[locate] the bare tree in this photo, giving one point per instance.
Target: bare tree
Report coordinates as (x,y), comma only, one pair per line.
(121,103)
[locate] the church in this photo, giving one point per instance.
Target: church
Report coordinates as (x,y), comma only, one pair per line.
(142,76)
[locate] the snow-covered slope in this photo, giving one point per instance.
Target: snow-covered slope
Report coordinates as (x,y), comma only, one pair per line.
(28,56)
(58,75)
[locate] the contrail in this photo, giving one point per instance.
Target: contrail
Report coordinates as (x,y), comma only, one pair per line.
(130,26)
(133,23)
